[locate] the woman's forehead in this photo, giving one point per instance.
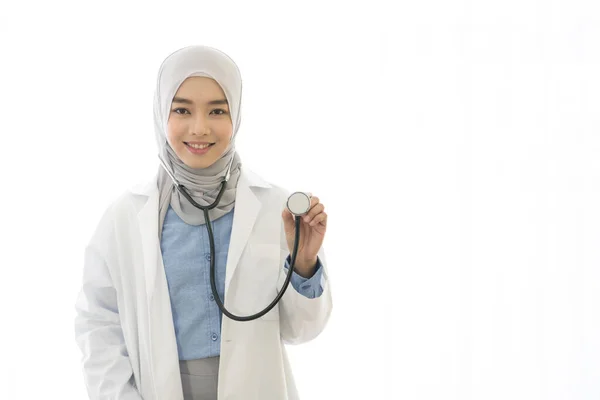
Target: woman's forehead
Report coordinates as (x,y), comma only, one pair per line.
(199,81)
(200,88)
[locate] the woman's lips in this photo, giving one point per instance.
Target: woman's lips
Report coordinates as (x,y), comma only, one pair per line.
(198,151)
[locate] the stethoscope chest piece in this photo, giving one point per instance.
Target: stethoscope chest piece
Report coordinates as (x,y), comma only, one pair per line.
(299,203)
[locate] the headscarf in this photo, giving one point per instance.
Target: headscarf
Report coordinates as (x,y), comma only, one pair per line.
(204,184)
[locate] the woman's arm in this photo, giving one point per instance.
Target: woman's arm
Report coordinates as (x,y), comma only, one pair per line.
(302,318)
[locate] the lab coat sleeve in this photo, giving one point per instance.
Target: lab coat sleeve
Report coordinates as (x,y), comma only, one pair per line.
(106,367)
(307,287)
(302,318)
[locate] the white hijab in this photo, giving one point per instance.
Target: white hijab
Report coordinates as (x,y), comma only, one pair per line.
(204,184)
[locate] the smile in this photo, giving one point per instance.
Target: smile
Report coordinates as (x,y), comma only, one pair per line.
(198,148)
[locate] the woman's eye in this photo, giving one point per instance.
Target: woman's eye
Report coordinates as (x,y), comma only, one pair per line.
(219,111)
(179,109)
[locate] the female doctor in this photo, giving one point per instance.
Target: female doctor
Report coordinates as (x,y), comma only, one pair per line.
(147,323)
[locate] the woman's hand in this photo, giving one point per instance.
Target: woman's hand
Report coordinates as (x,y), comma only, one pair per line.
(312,232)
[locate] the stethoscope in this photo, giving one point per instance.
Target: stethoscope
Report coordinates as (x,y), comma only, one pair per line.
(298,204)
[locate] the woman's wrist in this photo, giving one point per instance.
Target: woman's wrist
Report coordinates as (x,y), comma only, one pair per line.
(306,269)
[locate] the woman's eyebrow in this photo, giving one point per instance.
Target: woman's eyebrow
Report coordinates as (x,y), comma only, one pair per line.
(221,101)
(182,100)
(186,101)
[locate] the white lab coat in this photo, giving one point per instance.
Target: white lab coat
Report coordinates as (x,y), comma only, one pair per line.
(124,325)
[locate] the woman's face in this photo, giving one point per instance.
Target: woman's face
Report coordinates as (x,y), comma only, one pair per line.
(199,115)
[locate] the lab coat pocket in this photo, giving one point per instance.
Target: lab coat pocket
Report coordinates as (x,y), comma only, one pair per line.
(265,267)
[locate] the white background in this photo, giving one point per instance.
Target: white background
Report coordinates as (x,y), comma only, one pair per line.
(455,145)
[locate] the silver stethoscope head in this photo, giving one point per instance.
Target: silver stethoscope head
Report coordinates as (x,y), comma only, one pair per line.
(299,203)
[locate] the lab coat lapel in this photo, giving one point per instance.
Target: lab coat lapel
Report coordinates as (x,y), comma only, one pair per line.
(148,224)
(161,343)
(247,207)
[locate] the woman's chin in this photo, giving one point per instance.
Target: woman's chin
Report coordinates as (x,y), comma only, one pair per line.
(198,164)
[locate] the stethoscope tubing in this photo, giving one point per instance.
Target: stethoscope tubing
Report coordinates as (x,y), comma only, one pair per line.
(213,284)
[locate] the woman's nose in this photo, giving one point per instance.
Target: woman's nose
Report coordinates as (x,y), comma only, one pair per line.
(200,126)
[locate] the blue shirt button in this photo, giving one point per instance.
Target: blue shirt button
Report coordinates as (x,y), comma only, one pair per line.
(208,256)
(212,298)
(214,337)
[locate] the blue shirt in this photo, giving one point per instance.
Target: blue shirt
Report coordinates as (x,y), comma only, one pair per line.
(186,258)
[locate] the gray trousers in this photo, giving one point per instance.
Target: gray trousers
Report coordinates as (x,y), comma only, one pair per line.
(199,378)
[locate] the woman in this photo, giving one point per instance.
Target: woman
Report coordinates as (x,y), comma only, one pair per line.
(147,323)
